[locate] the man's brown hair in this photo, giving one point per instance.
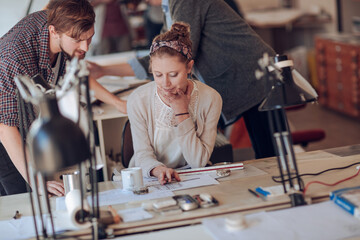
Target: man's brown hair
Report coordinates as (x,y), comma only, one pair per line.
(71,16)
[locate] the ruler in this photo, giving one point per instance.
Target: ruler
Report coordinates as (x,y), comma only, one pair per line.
(233,166)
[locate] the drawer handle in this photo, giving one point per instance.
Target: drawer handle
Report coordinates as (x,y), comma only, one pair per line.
(340,86)
(341,106)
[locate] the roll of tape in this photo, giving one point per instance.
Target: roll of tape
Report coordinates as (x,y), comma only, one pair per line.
(73,205)
(235,222)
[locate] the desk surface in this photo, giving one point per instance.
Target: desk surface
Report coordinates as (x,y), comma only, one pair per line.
(232,192)
(105,111)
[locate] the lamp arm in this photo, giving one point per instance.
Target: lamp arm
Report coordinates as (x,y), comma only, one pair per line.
(27,89)
(70,79)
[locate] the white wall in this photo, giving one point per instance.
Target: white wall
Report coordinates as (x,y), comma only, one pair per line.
(12,11)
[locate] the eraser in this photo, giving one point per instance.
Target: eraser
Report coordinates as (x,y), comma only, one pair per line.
(164,203)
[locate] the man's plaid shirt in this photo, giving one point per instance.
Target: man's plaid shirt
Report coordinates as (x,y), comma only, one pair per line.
(24,50)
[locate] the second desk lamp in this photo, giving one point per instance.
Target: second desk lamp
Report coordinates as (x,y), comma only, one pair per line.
(284,91)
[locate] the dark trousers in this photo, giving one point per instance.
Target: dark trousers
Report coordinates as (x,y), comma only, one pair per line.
(257,124)
(11,181)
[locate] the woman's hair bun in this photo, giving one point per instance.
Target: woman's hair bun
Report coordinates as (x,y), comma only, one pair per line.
(181,28)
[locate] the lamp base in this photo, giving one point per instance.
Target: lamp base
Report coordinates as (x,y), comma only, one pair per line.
(297,199)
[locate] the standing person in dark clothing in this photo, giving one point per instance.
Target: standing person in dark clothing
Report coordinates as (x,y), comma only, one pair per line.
(226,51)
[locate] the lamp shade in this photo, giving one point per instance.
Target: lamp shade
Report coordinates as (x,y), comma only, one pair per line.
(285,92)
(55,141)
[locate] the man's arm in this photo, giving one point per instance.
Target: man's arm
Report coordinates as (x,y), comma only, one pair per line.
(11,139)
(122,69)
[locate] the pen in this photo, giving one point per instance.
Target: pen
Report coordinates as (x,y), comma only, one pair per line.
(257,194)
(254,193)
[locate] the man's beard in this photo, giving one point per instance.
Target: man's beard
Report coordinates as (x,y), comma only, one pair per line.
(67,55)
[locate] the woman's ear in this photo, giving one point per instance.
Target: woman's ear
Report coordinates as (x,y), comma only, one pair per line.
(190,65)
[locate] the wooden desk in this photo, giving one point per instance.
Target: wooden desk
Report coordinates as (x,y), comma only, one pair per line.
(232,192)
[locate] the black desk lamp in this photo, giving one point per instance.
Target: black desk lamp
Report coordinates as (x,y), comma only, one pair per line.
(283,92)
(56,142)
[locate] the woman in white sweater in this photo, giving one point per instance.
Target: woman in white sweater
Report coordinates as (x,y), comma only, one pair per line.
(173,119)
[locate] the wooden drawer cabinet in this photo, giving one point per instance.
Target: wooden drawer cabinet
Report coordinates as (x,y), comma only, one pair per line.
(338,64)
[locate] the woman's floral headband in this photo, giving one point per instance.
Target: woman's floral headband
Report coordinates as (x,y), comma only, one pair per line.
(178,46)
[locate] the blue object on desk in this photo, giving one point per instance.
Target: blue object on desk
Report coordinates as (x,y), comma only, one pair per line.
(262,191)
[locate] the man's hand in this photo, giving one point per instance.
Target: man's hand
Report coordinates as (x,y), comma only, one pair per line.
(55,188)
(96,70)
(165,174)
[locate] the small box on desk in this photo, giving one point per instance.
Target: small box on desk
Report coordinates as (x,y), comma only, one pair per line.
(348,199)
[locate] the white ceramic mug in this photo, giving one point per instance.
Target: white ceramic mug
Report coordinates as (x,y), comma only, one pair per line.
(132,178)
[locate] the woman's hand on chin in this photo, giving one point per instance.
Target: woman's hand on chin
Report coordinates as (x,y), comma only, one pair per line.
(165,174)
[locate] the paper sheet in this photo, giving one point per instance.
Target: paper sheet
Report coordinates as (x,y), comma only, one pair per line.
(24,228)
(118,196)
(18,229)
(260,226)
(331,221)
(134,214)
(318,221)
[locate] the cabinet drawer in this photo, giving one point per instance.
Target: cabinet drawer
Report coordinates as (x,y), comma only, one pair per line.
(338,70)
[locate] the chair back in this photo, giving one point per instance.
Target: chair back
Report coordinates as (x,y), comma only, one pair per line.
(127,150)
